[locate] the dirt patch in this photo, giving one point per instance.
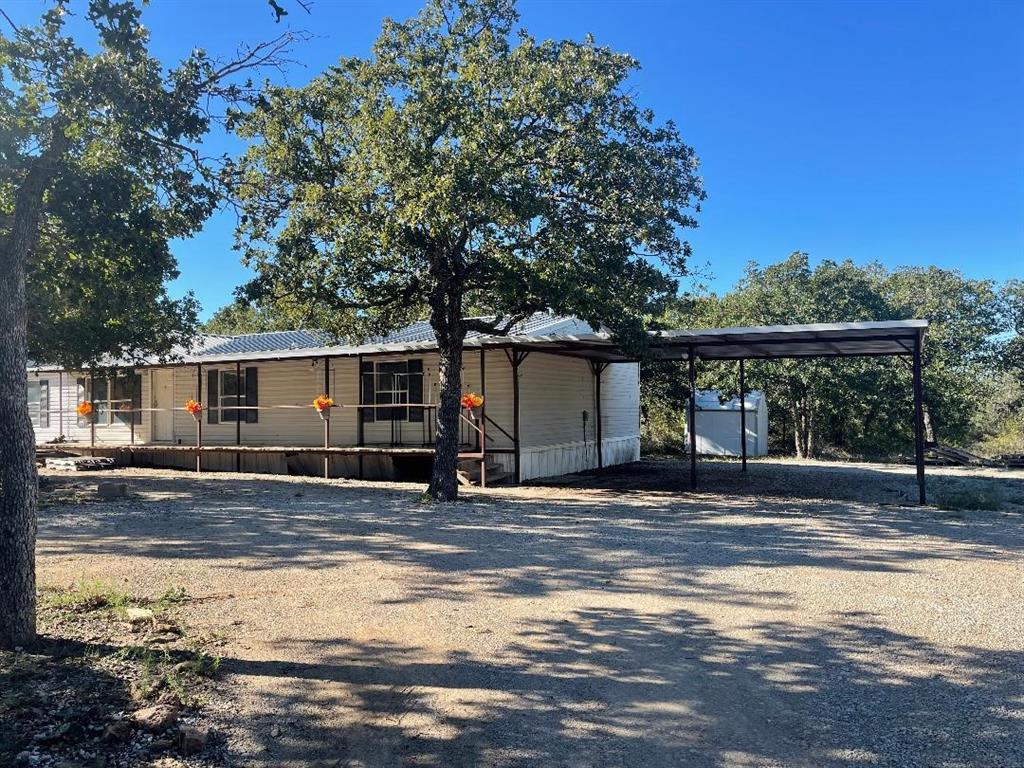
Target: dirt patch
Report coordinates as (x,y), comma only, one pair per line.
(113,680)
(795,616)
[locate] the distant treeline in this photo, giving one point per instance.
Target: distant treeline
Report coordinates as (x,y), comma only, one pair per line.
(861,407)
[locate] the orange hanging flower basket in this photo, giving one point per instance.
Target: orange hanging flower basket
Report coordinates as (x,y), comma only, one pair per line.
(323,405)
(472,400)
(194,407)
(84,408)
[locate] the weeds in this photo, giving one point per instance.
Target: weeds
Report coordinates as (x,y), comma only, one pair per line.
(963,496)
(88,596)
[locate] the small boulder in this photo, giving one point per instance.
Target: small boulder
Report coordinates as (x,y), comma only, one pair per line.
(111,491)
(192,740)
(138,615)
(156,719)
(119,730)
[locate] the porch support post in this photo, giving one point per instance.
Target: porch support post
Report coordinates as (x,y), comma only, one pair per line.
(598,369)
(60,403)
(238,414)
(92,414)
(199,421)
(692,422)
(743,419)
(919,421)
(360,434)
(327,421)
(515,358)
(483,418)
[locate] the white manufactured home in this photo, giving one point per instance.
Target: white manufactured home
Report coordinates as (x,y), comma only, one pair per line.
(549,408)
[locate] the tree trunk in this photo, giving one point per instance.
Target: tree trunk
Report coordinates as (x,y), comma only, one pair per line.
(929,428)
(799,434)
(446,320)
(19,485)
(444,485)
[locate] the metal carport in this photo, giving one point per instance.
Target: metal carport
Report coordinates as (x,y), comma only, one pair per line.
(818,340)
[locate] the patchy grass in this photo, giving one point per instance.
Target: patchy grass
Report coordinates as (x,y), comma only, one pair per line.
(69,699)
(87,596)
(964,495)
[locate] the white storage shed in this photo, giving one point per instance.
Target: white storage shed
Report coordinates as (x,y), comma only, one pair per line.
(718,424)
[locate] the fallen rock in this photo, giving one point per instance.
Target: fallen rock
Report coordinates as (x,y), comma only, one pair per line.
(119,730)
(110,491)
(192,740)
(138,615)
(156,719)
(275,731)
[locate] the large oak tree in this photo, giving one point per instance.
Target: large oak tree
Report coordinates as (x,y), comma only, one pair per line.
(464,164)
(99,168)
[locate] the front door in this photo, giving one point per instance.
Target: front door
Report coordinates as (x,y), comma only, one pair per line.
(163,399)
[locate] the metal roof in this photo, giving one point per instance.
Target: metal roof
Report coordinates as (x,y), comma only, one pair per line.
(886,337)
(271,341)
(421,330)
(890,337)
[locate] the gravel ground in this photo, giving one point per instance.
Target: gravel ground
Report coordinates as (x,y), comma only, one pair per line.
(622,621)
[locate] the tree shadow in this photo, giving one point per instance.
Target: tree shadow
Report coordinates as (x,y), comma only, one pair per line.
(604,682)
(619,687)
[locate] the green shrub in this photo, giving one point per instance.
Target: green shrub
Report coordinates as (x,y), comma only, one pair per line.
(961,495)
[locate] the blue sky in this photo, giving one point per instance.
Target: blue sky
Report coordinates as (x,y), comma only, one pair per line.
(889,131)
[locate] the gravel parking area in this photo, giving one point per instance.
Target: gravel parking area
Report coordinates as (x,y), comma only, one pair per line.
(791,617)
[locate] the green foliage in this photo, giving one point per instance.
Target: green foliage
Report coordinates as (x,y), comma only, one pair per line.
(960,495)
(241,317)
(854,406)
(99,165)
(465,163)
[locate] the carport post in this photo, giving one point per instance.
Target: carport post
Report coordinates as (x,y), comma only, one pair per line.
(919,421)
(743,419)
(693,418)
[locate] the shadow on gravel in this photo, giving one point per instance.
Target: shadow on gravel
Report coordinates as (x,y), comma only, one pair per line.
(607,686)
(518,543)
(620,688)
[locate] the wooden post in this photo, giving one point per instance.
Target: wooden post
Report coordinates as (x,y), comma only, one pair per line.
(598,368)
(60,403)
(692,378)
(92,413)
(515,359)
(919,421)
(327,421)
(238,414)
(199,420)
(743,419)
(360,433)
(483,420)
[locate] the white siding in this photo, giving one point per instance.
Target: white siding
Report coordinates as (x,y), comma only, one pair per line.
(554,393)
(64,400)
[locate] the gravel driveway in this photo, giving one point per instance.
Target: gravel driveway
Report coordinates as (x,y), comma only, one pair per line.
(621,622)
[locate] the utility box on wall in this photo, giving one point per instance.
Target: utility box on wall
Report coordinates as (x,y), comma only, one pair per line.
(718,424)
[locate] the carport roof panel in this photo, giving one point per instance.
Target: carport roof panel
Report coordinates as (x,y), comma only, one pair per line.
(886,337)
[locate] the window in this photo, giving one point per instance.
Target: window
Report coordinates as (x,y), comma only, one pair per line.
(230,394)
(393,383)
(39,402)
(116,400)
